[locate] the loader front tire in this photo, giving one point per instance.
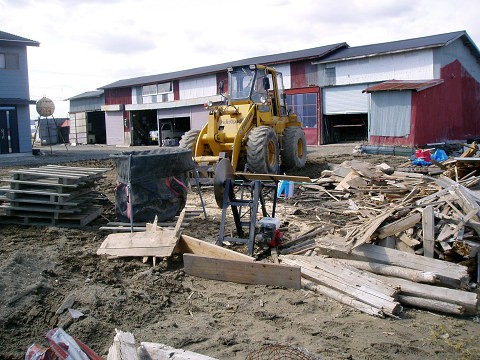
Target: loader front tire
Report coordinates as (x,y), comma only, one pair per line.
(262,150)
(294,152)
(189,140)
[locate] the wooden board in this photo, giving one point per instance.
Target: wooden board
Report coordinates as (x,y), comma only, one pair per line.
(265,177)
(160,243)
(244,272)
(188,244)
(399,225)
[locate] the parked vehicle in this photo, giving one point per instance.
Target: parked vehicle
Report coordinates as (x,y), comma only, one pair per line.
(169,135)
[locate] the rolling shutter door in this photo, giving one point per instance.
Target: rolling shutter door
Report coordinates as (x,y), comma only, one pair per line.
(345,100)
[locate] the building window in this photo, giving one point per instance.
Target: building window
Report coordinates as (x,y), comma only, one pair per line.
(148,90)
(157,89)
(330,76)
(164,88)
(9,61)
(305,106)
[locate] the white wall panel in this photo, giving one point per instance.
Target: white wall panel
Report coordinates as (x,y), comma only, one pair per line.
(198,87)
(345,100)
(286,74)
(114,127)
(402,66)
(390,113)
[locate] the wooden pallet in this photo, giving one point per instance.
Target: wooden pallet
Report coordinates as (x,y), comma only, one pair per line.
(51,195)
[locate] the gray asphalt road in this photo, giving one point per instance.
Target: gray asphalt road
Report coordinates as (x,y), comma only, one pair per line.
(57,154)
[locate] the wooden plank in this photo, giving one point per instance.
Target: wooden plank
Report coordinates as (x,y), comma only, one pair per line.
(40,173)
(370,228)
(156,351)
(409,241)
(342,298)
(250,176)
(399,225)
(189,244)
(123,347)
(244,272)
(390,270)
(45,182)
(428,233)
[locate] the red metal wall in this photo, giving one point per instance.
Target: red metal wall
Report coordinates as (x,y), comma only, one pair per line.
(118,96)
(298,76)
(449,111)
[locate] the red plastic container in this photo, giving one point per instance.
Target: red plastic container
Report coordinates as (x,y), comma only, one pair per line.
(423,154)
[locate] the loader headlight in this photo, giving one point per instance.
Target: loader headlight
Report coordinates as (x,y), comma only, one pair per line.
(208,105)
(263,100)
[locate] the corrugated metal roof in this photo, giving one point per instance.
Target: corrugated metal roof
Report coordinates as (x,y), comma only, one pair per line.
(7,38)
(16,101)
(399,85)
(88,94)
(400,46)
(314,53)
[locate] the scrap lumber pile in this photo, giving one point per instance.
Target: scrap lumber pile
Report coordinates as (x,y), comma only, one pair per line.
(437,217)
(51,195)
(413,232)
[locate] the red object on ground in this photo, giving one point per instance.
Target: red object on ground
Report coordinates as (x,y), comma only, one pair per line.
(423,154)
(38,352)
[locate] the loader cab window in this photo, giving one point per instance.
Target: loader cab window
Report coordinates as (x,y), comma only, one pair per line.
(262,85)
(281,95)
(240,83)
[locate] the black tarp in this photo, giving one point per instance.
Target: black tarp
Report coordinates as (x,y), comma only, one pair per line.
(158,182)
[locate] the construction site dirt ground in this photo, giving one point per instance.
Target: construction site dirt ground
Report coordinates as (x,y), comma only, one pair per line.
(41,266)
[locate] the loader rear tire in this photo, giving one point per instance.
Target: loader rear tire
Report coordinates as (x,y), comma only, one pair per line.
(262,150)
(294,153)
(189,140)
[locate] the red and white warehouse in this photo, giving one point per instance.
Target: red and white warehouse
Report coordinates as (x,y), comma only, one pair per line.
(404,93)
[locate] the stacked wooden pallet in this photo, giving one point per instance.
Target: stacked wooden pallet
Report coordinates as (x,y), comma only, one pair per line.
(51,195)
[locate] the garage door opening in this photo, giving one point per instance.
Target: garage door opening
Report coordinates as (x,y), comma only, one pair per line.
(170,130)
(142,123)
(97,133)
(345,128)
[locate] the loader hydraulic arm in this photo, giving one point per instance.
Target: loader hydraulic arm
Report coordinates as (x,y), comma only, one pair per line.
(245,126)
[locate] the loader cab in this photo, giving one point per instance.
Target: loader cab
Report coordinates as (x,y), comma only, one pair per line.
(257,84)
(248,83)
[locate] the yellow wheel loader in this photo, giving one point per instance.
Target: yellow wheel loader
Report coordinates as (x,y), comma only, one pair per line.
(253,127)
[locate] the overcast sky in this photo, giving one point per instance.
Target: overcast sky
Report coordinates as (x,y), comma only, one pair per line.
(87,44)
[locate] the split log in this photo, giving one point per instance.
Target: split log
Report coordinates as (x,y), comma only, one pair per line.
(449,274)
(429,304)
(342,298)
(467,300)
(390,270)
